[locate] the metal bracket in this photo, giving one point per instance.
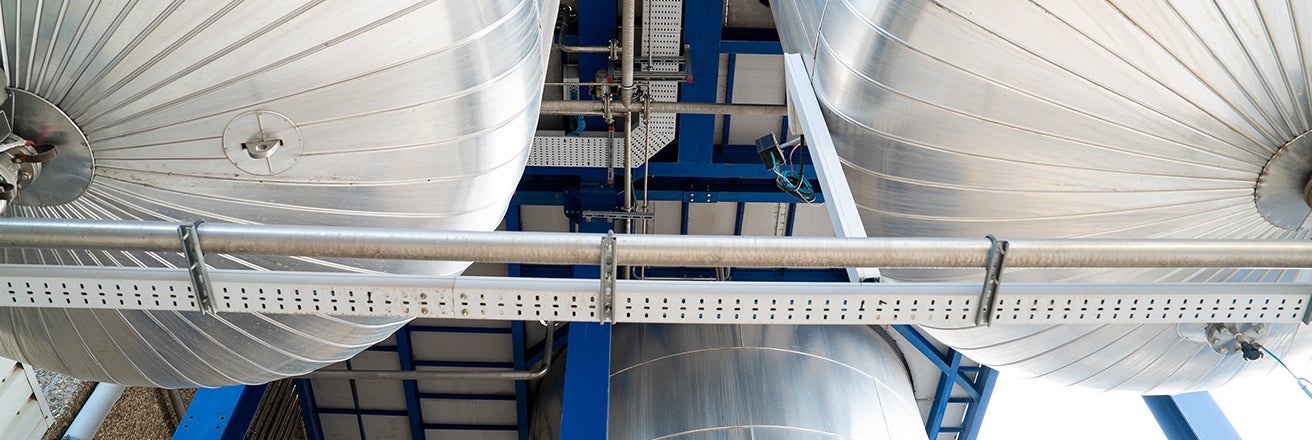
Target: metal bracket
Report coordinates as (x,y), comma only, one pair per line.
(261,149)
(200,277)
(617,215)
(992,277)
(609,271)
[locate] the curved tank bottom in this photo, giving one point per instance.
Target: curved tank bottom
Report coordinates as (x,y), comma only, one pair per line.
(406,114)
(1053,119)
(699,382)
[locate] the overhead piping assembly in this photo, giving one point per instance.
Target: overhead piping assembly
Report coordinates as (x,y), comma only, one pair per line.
(1114,195)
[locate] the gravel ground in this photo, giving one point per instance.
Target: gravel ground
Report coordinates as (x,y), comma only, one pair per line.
(141,414)
(58,388)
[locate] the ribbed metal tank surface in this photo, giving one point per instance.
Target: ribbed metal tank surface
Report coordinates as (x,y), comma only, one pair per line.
(1045,119)
(742,382)
(407,114)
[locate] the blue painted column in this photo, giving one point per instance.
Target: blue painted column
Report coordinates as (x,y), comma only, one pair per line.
(586,403)
(309,409)
(1192,416)
(220,413)
(702,24)
(414,409)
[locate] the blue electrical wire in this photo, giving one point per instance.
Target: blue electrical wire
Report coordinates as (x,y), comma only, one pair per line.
(1303,382)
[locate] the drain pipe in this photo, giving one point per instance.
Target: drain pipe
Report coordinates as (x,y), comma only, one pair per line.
(92,414)
(627,14)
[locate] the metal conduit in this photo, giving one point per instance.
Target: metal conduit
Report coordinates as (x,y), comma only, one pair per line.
(448,373)
(652,250)
(599,108)
(627,13)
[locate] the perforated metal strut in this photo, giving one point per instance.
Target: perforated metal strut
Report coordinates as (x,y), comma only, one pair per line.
(609,273)
(992,277)
(200,278)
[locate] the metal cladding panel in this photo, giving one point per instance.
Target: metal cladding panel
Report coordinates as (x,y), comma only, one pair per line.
(1057,119)
(730,382)
(414,114)
(712,381)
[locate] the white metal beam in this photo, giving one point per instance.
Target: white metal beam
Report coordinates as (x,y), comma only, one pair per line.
(809,121)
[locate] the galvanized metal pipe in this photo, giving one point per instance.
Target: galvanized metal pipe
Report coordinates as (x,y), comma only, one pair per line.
(598,108)
(651,250)
(627,14)
(548,349)
(582,49)
(177,402)
(628,171)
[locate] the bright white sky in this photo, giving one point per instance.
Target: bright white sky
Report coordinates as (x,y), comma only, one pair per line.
(1265,408)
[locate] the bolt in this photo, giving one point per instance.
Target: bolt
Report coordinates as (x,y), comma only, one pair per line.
(1223,350)
(423,295)
(1259,329)
(26,175)
(424,311)
(464,296)
(1216,341)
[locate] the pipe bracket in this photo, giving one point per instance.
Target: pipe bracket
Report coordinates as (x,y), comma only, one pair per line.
(609,270)
(992,278)
(200,277)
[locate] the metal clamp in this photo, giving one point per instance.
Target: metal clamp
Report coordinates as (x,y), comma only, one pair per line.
(609,271)
(200,276)
(992,278)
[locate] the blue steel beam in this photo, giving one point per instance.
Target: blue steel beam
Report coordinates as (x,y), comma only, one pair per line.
(413,406)
(309,409)
(518,350)
(751,47)
(586,400)
(942,394)
(702,23)
(1192,416)
(985,381)
(220,413)
(940,360)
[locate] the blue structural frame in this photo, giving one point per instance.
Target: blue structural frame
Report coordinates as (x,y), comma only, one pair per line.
(976,382)
(1192,416)
(220,413)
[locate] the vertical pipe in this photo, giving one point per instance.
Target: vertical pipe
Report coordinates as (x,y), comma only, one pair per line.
(627,14)
(178,403)
(93,412)
(628,170)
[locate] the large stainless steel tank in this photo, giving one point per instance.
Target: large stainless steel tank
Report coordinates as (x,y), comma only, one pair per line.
(1035,119)
(409,114)
(741,382)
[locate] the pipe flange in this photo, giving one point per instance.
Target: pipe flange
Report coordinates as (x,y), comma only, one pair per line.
(63,178)
(1282,189)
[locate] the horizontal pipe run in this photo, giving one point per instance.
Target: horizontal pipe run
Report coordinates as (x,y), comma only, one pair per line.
(652,250)
(449,373)
(598,107)
(583,49)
